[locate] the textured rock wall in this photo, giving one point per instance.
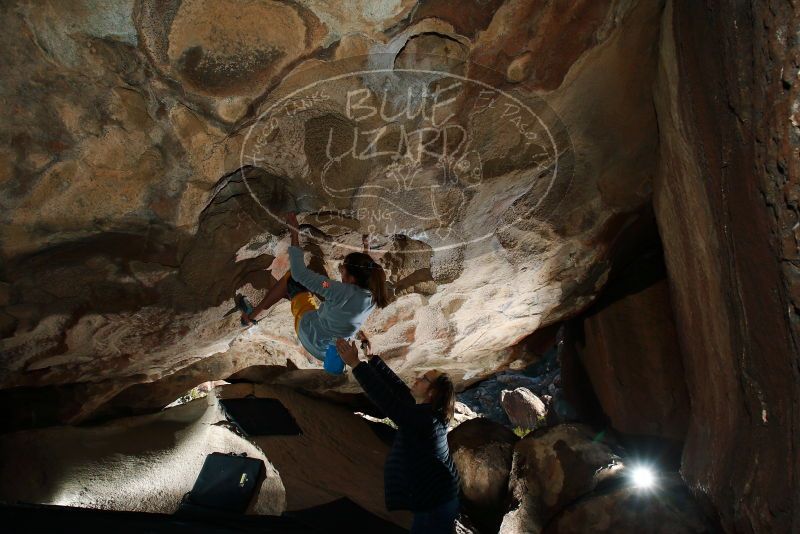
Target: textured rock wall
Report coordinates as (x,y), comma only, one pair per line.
(130,214)
(726,203)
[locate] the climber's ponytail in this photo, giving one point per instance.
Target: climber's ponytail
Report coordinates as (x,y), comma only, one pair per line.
(369,275)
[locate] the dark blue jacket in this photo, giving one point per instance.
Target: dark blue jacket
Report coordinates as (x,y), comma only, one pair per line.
(419,472)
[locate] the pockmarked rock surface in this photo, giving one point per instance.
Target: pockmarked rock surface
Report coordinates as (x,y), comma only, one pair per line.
(153,147)
(552,468)
(143,464)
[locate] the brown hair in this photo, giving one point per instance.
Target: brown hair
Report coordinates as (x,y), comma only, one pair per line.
(369,275)
(443,398)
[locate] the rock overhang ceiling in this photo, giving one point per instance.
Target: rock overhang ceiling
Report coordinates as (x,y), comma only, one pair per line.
(155,145)
(127,223)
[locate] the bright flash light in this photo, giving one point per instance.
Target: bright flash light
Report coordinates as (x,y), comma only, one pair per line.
(643,477)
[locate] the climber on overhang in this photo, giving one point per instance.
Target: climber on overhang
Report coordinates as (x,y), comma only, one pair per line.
(345,305)
(420,474)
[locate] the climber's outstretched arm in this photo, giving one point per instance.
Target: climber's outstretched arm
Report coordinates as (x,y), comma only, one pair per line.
(291,220)
(330,290)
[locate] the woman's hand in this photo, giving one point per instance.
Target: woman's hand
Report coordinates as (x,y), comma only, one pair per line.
(348,352)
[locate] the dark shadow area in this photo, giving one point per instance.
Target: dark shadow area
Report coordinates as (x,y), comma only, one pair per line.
(42,518)
(343,515)
(595,354)
(575,380)
(260,417)
(38,407)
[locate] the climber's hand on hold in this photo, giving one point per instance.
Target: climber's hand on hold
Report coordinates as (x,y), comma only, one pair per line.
(348,352)
(366,346)
(250,318)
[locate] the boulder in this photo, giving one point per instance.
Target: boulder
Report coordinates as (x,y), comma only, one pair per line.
(144,463)
(524,409)
(485,397)
(552,468)
(335,455)
(667,509)
(461,414)
(482,451)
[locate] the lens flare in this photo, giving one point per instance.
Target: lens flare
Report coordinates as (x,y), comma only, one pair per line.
(643,477)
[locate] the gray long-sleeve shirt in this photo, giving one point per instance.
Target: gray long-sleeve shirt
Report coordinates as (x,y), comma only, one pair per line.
(344,310)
